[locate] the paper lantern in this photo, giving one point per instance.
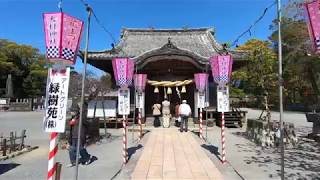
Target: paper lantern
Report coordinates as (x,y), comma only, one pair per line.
(313,16)
(183,90)
(62,37)
(156,90)
(140,81)
(221,68)
(123,71)
(169,91)
(201,80)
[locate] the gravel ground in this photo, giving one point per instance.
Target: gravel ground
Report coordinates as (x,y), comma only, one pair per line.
(33,165)
(253,162)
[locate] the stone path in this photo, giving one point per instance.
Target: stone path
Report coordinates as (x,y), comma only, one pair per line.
(169,154)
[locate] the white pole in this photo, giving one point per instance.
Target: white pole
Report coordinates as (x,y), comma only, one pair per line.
(280,87)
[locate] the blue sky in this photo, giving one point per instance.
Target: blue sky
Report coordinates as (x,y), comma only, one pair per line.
(21,20)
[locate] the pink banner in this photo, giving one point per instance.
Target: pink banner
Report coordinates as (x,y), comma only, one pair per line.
(140,81)
(123,71)
(313,15)
(221,68)
(201,80)
(63,34)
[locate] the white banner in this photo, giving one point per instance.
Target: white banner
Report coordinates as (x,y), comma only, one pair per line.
(140,100)
(223,98)
(124,101)
(201,100)
(56,100)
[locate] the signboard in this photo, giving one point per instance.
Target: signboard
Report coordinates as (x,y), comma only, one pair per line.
(124,101)
(140,100)
(56,100)
(201,100)
(96,108)
(223,98)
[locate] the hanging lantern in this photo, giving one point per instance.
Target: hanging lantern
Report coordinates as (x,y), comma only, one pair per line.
(169,90)
(123,71)
(156,90)
(183,90)
(140,81)
(201,80)
(313,15)
(221,68)
(62,37)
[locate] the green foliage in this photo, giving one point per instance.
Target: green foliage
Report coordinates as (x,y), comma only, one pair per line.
(300,65)
(27,66)
(260,75)
(236,92)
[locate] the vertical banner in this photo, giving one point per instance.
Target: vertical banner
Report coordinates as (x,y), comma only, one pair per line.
(139,100)
(313,15)
(124,101)
(56,100)
(201,100)
(223,98)
(62,34)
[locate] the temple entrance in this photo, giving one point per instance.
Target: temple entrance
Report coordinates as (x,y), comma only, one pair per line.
(179,69)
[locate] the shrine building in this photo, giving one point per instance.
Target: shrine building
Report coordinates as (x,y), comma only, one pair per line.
(170,58)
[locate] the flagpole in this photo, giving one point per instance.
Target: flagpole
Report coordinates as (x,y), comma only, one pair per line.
(88,9)
(280,87)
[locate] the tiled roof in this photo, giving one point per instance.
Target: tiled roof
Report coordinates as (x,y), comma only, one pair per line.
(136,42)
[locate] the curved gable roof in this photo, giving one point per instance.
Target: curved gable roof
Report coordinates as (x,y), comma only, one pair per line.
(136,42)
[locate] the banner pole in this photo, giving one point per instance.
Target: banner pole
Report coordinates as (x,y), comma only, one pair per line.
(200,124)
(52,166)
(280,87)
(124,140)
(88,9)
(223,139)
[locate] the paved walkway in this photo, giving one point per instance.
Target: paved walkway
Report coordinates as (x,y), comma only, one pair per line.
(169,154)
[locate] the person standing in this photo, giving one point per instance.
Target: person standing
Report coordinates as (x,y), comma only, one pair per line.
(166,115)
(184,112)
(156,112)
(86,158)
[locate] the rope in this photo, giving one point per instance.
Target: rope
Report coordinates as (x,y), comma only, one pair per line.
(169,83)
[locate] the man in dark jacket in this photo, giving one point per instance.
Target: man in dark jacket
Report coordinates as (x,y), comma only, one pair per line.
(86,158)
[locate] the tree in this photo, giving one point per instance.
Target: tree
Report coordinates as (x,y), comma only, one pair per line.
(260,75)
(300,65)
(27,66)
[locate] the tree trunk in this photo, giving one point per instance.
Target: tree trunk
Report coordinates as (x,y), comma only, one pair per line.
(312,78)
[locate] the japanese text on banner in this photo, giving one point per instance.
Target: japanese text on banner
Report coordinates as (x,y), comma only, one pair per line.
(56,100)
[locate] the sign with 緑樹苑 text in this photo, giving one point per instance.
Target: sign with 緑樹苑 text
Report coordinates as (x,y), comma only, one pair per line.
(56,100)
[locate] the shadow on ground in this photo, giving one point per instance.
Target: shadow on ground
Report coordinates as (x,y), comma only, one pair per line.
(301,161)
(133,150)
(7,167)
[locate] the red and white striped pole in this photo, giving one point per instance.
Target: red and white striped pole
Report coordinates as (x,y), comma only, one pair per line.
(124,140)
(52,166)
(140,123)
(223,139)
(200,124)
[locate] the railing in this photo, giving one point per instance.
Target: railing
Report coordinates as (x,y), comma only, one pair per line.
(12,143)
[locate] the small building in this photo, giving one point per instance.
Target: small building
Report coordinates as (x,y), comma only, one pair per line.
(168,55)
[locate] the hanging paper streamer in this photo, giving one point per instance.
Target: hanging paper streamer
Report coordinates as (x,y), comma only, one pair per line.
(62,37)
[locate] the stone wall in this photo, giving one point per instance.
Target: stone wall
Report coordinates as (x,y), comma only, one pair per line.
(268,135)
